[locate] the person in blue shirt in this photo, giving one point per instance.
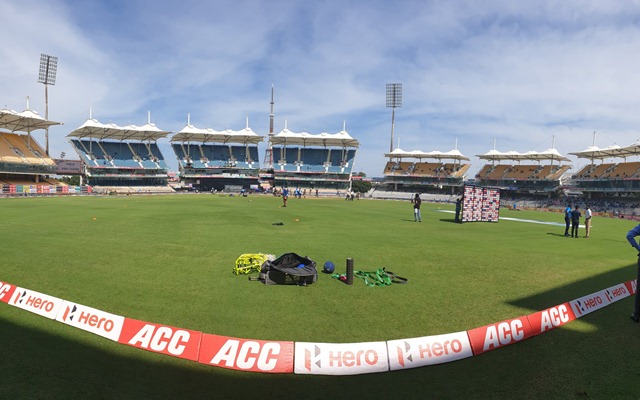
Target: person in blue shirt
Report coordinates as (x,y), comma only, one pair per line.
(285,196)
(631,237)
(458,209)
(567,219)
(575,221)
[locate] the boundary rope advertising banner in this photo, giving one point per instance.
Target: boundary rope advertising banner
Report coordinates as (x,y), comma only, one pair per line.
(306,357)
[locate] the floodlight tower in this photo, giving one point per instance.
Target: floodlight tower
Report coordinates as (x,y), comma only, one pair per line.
(394,99)
(268,157)
(47,76)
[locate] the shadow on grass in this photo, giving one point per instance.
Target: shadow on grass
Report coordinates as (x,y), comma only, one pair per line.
(43,363)
(453,221)
(610,331)
(555,296)
(38,364)
(556,234)
(39,361)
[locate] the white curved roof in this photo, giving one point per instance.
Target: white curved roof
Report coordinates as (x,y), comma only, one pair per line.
(549,154)
(198,135)
(594,152)
(286,137)
(419,154)
(26,121)
(95,129)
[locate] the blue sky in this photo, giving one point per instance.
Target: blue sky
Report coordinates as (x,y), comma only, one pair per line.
(525,74)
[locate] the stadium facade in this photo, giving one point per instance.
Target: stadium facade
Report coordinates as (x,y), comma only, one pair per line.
(128,159)
(543,177)
(524,174)
(414,171)
(25,167)
(217,160)
(615,181)
(121,158)
(313,161)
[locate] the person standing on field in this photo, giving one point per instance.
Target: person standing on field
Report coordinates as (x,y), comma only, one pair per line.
(575,221)
(631,238)
(567,219)
(417,201)
(458,209)
(587,221)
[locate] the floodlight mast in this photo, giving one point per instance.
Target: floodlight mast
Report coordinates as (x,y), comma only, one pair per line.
(47,76)
(394,99)
(268,159)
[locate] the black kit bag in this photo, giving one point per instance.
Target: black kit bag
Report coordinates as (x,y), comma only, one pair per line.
(288,269)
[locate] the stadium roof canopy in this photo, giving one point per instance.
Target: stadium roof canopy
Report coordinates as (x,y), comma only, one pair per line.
(286,137)
(197,135)
(94,129)
(547,155)
(438,155)
(596,153)
(26,121)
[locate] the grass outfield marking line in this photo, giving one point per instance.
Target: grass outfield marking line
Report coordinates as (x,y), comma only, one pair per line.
(367,359)
(531,221)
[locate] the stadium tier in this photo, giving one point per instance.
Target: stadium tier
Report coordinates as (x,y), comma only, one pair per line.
(592,171)
(22,154)
(217,160)
(522,172)
(608,177)
(120,157)
(603,180)
(127,159)
(421,176)
(519,176)
(25,168)
(434,170)
(203,156)
(98,154)
(311,161)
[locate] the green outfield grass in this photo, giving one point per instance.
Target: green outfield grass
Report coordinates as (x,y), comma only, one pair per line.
(168,259)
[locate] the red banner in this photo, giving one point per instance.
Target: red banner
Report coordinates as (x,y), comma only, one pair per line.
(631,286)
(246,354)
(6,291)
(491,337)
(177,342)
(551,318)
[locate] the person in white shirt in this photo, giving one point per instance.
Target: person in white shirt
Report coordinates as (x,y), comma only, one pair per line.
(587,221)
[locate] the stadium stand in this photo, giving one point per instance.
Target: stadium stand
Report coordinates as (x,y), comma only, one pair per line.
(609,182)
(519,178)
(425,177)
(25,168)
(118,158)
(313,161)
(622,170)
(217,160)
